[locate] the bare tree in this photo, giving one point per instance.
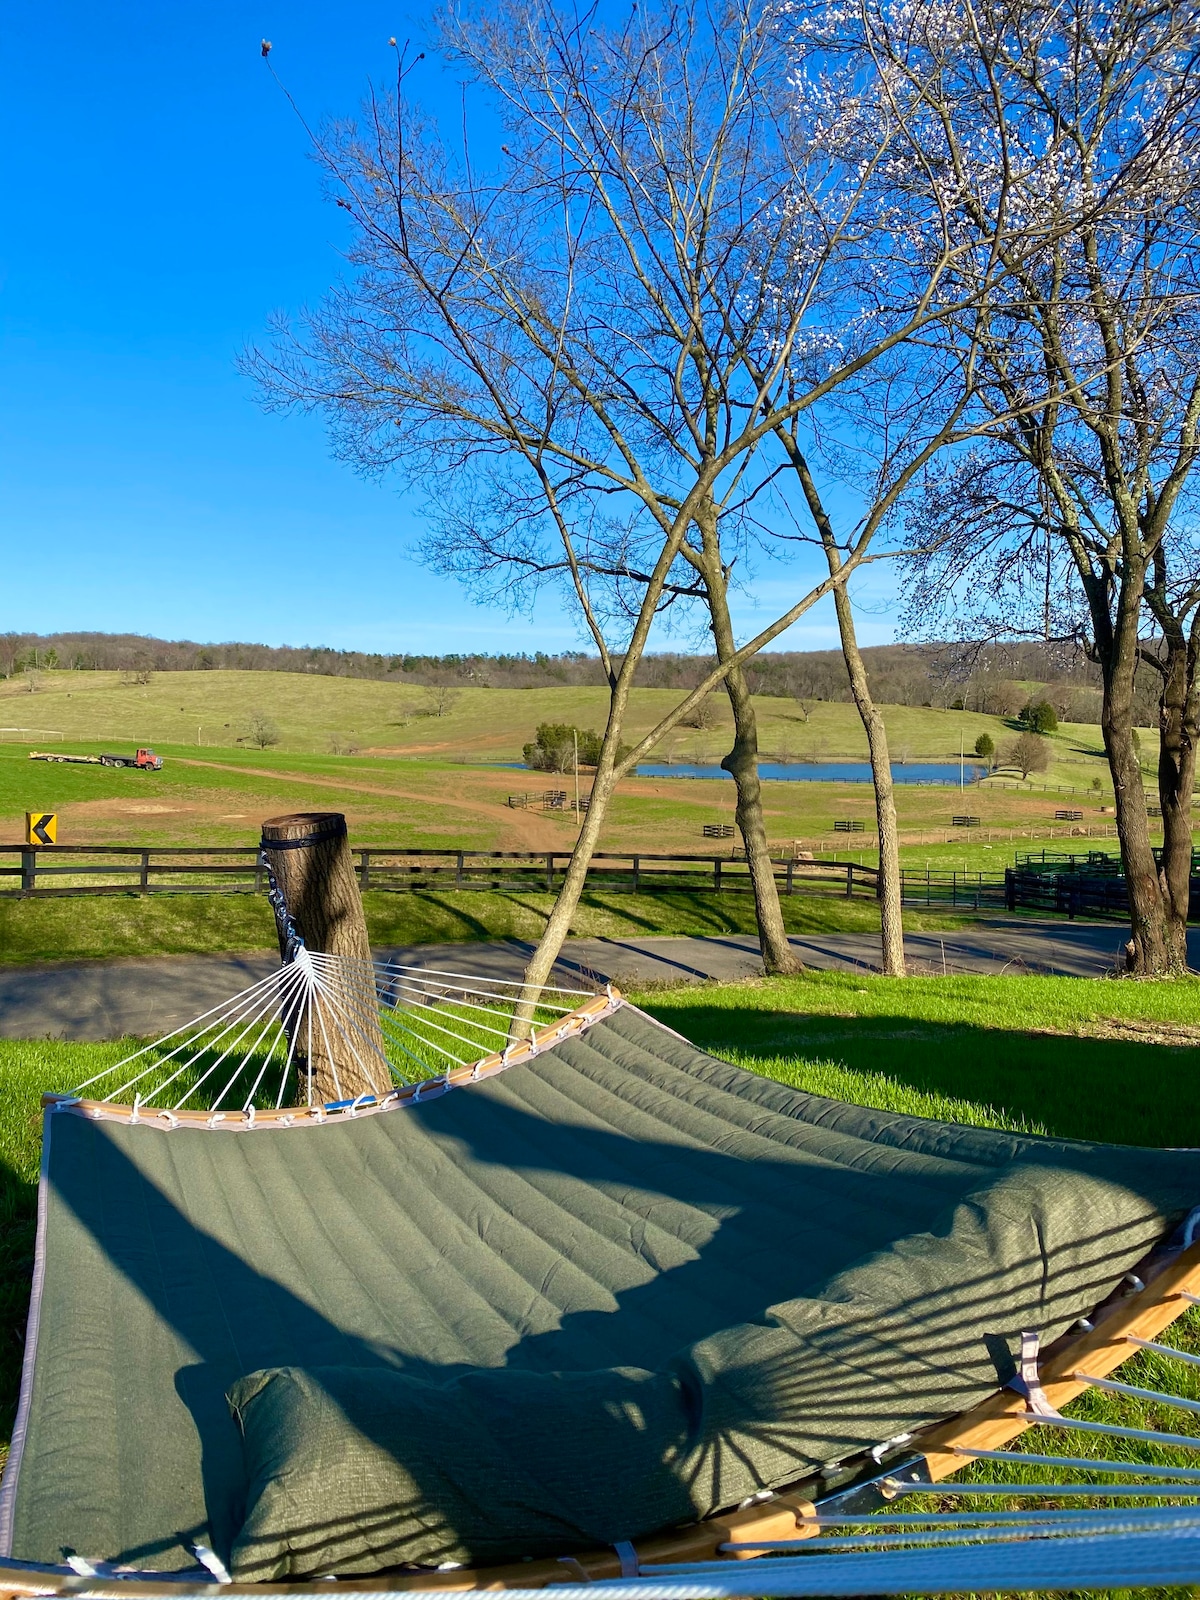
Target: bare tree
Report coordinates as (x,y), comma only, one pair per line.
(263,730)
(589,342)
(1028,753)
(1068,522)
(704,717)
(440,699)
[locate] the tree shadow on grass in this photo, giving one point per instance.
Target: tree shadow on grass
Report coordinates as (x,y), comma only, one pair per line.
(395,926)
(1117,1091)
(700,911)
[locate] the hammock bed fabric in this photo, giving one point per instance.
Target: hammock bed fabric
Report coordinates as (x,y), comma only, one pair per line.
(610,1289)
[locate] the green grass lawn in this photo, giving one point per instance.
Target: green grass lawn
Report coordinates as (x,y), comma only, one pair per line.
(1083,1058)
(132,925)
(1092,1059)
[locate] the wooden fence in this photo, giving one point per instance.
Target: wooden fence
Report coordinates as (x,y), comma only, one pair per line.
(60,870)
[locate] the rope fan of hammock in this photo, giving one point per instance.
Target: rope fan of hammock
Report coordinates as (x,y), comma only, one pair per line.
(408,1031)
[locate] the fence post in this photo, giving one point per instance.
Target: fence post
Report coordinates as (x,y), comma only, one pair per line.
(365,876)
(849,880)
(28,871)
(549,871)
(458,871)
(791,873)
(145,878)
(637,873)
(716,872)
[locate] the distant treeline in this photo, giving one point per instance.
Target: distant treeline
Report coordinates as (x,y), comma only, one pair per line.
(995,678)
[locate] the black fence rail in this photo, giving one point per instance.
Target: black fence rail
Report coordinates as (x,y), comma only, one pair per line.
(62,870)
(975,891)
(1077,893)
(1094,863)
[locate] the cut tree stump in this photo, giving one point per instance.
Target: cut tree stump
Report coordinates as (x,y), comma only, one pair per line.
(309,854)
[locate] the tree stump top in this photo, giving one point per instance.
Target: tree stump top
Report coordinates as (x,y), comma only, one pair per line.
(304,828)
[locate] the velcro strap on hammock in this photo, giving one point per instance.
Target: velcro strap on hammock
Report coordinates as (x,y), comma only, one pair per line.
(335,830)
(1028,1380)
(627,1556)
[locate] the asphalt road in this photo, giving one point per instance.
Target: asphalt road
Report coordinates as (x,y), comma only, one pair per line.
(109,999)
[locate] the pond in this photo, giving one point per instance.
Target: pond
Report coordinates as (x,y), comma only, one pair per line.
(933,772)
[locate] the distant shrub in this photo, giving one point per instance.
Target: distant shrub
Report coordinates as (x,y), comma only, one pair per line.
(1039,716)
(553,747)
(985,747)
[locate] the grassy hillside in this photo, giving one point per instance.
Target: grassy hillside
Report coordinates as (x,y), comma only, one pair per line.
(314,714)
(423,780)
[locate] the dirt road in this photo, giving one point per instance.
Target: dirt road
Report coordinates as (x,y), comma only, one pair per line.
(524,830)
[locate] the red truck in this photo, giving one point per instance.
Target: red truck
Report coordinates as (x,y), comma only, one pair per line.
(145,759)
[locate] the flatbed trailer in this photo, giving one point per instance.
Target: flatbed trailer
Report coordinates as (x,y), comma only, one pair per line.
(145,759)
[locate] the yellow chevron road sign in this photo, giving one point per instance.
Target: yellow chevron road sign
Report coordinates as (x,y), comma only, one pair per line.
(41,827)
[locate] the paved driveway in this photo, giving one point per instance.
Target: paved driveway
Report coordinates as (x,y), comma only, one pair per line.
(109,999)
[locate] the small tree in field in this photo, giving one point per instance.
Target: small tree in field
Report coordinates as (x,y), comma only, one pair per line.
(442,699)
(1039,716)
(703,716)
(985,747)
(263,731)
(1028,753)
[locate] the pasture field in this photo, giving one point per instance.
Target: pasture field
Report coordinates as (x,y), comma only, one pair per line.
(315,714)
(1078,1058)
(426,780)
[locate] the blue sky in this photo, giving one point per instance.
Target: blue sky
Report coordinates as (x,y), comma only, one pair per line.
(159,207)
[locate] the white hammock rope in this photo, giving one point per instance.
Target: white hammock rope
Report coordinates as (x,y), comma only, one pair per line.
(343,1006)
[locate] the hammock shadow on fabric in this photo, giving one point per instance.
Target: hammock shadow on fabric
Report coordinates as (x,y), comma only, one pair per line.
(513,1322)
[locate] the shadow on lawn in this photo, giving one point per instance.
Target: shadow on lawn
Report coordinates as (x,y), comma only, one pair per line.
(1115,1090)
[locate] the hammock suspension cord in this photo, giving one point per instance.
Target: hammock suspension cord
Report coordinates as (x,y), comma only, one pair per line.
(431,1022)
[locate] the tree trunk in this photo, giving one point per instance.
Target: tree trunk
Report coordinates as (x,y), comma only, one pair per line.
(1152,953)
(558,925)
(742,765)
(1179,716)
(742,762)
(891,913)
(337,1044)
(891,908)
